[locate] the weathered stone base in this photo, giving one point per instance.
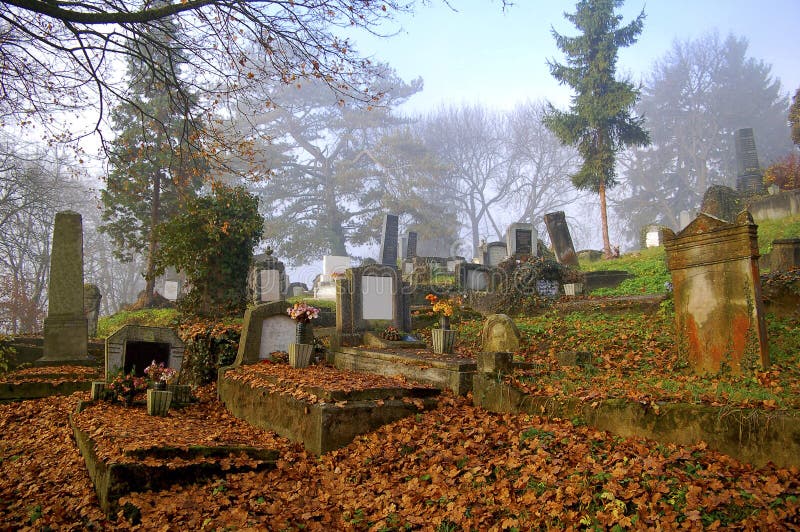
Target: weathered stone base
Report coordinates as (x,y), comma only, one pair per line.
(65,338)
(114,480)
(750,435)
(445,374)
(22,391)
(328,425)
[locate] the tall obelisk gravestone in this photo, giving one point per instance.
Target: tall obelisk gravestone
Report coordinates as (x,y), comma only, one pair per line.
(65,327)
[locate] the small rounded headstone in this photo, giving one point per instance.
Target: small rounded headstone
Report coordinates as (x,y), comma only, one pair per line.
(500,334)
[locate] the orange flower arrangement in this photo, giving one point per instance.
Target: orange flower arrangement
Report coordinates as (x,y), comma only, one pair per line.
(445,308)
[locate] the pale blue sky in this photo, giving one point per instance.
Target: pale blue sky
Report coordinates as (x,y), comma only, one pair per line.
(482,54)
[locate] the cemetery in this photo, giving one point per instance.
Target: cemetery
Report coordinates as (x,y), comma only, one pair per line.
(554,362)
(275,296)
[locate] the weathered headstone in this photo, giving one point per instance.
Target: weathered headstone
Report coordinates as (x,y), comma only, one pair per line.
(717,293)
(748,177)
(496,252)
(470,276)
(560,237)
(389,240)
(785,254)
(521,240)
(266,280)
(266,328)
(722,202)
(411,245)
(173,284)
(500,334)
(65,327)
(91,307)
(370,294)
(296,289)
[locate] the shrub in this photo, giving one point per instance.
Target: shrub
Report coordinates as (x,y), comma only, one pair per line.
(209,346)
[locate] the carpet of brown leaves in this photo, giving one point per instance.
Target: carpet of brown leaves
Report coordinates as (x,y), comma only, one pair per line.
(458,467)
(53,374)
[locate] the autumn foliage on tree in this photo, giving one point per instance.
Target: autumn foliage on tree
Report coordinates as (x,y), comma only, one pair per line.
(784,173)
(599,122)
(212,240)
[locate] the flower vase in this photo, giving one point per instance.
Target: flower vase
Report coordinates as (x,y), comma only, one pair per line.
(300,355)
(444,321)
(158,402)
(304,334)
(98,387)
(443,340)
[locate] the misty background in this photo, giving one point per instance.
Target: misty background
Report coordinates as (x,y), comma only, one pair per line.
(458,167)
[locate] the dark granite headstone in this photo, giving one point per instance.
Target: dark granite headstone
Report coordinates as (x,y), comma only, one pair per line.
(748,176)
(558,230)
(411,245)
(389,240)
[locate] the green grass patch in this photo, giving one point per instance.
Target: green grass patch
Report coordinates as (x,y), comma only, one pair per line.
(319,303)
(769,230)
(162,317)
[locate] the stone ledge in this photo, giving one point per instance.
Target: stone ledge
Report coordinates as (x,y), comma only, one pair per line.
(324,426)
(451,373)
(113,480)
(749,435)
(38,389)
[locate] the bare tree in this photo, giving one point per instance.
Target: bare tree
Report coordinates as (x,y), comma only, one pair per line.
(34,185)
(541,166)
(471,143)
(62,56)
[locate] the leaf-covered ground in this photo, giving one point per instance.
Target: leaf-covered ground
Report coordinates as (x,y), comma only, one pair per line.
(634,356)
(455,468)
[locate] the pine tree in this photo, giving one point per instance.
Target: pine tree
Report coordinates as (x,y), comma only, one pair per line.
(599,122)
(156,159)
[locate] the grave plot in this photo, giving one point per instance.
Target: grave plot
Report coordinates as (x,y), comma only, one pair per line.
(44,381)
(319,406)
(126,450)
(445,372)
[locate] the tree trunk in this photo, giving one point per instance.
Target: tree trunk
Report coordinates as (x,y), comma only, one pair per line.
(604,221)
(155,208)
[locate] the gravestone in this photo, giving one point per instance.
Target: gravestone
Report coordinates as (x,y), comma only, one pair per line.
(266,328)
(452,262)
(496,252)
(684,219)
(134,347)
(266,279)
(722,202)
(334,264)
(717,294)
(65,327)
(560,237)
(389,240)
(91,307)
(411,245)
(500,334)
(368,295)
(296,289)
(748,177)
(470,276)
(785,254)
(521,240)
(652,236)
(173,284)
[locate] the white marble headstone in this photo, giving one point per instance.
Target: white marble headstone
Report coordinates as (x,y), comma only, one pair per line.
(497,254)
(334,264)
(171,290)
(377,298)
(277,332)
(652,239)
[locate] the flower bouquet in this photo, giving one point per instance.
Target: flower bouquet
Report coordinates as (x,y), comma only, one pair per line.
(124,388)
(158,374)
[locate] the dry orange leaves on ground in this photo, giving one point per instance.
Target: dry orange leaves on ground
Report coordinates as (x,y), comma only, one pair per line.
(455,468)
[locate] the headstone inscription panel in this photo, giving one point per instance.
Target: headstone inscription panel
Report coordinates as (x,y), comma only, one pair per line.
(277,332)
(377,297)
(520,240)
(270,285)
(171,290)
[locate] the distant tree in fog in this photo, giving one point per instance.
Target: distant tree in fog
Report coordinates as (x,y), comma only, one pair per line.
(693,101)
(794,117)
